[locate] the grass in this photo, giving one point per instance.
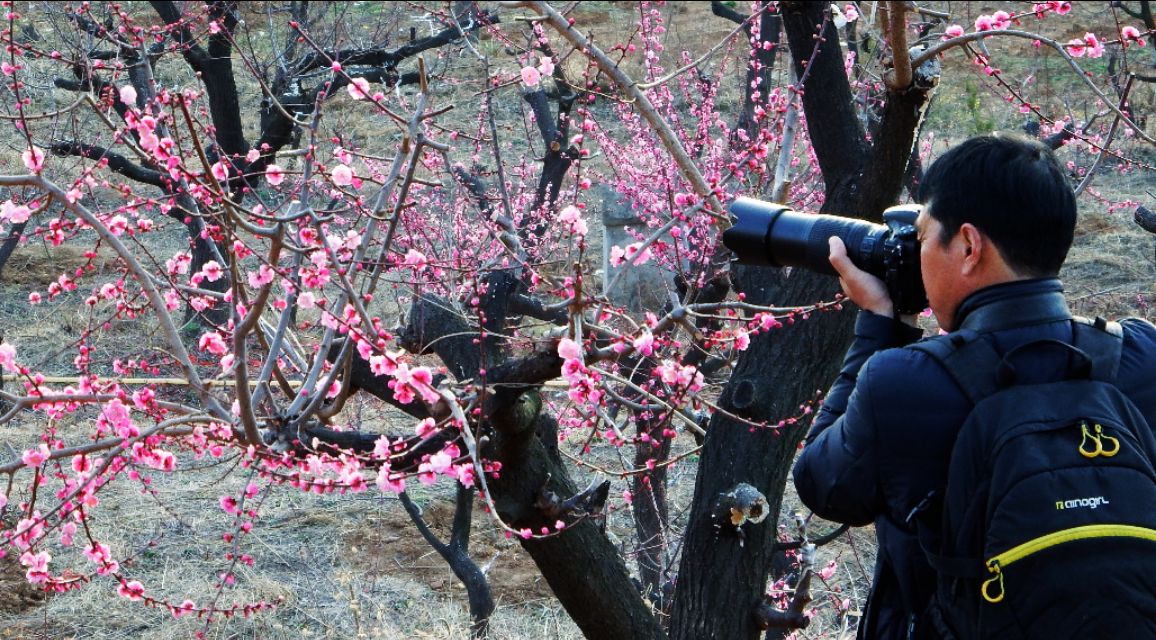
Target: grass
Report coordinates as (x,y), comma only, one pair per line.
(352,566)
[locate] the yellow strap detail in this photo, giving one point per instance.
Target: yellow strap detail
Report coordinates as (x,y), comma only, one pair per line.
(1104,452)
(996,564)
(1098,439)
(998,579)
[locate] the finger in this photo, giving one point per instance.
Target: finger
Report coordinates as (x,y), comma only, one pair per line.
(838,256)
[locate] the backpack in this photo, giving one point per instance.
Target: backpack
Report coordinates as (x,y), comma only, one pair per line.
(1048,518)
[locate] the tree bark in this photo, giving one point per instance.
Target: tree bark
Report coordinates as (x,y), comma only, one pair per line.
(721,571)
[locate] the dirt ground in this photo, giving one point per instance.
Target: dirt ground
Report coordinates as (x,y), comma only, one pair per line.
(354,566)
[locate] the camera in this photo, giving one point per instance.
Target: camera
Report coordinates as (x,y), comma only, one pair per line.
(773,235)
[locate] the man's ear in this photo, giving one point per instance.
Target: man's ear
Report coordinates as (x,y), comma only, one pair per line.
(975,247)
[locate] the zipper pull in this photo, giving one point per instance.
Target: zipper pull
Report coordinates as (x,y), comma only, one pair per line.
(993,567)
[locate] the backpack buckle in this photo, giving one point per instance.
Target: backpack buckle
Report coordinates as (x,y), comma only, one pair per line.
(922,506)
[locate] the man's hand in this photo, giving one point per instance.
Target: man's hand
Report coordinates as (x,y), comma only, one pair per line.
(861,287)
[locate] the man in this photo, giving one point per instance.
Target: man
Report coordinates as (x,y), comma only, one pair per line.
(998,220)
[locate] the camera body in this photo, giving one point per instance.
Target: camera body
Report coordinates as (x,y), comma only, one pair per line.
(773,235)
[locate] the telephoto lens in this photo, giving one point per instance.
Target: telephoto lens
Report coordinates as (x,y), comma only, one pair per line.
(770,234)
(773,235)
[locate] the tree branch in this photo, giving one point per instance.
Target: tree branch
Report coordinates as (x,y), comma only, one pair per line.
(116,162)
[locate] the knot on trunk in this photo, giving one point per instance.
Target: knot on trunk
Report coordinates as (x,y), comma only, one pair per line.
(737,507)
(587,503)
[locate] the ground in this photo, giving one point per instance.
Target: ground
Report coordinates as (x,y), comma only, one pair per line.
(353,565)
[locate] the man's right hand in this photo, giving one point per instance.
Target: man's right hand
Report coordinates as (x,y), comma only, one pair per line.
(861,287)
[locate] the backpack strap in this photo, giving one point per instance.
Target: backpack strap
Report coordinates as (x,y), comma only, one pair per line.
(972,360)
(969,359)
(1104,342)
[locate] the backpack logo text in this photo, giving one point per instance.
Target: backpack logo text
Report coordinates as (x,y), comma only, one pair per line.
(1082,502)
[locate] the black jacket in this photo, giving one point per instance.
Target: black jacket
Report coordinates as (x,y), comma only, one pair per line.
(882,439)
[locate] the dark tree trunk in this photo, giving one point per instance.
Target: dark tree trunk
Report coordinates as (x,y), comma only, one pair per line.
(456,555)
(582,567)
(722,576)
(651,513)
(10,242)
(770,26)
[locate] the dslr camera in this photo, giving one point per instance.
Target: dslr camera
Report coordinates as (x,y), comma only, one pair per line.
(773,235)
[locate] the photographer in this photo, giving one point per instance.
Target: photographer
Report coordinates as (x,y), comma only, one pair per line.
(998,220)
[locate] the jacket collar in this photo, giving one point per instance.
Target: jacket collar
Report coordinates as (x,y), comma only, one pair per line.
(1014,304)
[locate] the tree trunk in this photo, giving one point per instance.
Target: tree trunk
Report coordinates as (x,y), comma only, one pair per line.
(9,244)
(723,573)
(580,564)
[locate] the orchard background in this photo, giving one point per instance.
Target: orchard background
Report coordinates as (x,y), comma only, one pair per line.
(398,320)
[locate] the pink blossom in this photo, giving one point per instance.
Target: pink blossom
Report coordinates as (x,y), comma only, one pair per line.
(634,253)
(307,300)
(426,428)
(117,225)
(37,564)
(7,357)
(274,175)
(36,457)
(33,159)
(1000,20)
(220,171)
(381,448)
(531,76)
(1131,33)
(851,13)
(358,89)
(128,95)
(213,343)
(178,263)
(149,141)
(569,350)
(261,277)
(742,339)
(546,65)
(252,155)
(212,271)
(1089,45)
(415,259)
(14,213)
(342,175)
(441,462)
(386,482)
(572,216)
(133,590)
(7,69)
(381,365)
(644,343)
(1095,48)
(465,474)
(229,505)
(185,607)
(984,23)
(67,533)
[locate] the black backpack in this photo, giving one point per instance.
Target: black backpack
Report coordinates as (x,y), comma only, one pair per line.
(1048,525)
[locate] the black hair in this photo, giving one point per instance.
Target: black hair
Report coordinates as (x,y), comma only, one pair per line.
(1013,190)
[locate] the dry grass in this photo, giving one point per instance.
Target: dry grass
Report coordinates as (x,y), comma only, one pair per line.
(353,566)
